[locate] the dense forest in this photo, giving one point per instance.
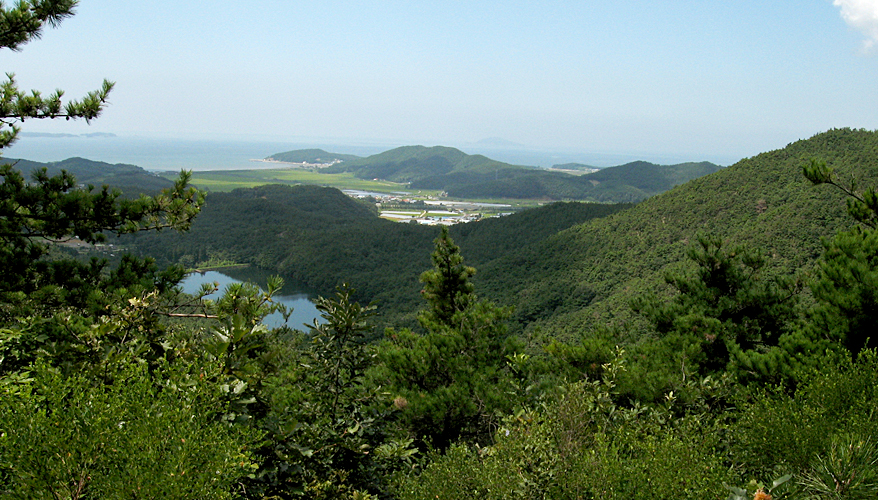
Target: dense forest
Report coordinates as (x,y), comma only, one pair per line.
(320,238)
(714,341)
(129,178)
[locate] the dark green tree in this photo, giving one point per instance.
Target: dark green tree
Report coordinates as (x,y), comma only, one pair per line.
(326,430)
(846,285)
(105,399)
(447,287)
(725,315)
(19,24)
(454,380)
(43,209)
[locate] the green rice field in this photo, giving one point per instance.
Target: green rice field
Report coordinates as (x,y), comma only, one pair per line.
(227,180)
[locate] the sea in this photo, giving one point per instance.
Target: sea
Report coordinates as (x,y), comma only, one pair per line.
(236,153)
(164,154)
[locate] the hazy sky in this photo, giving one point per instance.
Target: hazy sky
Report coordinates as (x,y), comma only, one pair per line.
(701,78)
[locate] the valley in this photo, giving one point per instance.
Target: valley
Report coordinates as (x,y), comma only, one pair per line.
(685,303)
(436,250)
(460,187)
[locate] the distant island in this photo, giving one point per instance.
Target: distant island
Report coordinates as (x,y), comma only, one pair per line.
(310,156)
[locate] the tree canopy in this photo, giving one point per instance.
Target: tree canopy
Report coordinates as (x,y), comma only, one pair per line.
(115,384)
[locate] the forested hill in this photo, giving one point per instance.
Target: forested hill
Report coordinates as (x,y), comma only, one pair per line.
(417,163)
(563,282)
(126,177)
(640,179)
(321,238)
(311,156)
(763,202)
(476,176)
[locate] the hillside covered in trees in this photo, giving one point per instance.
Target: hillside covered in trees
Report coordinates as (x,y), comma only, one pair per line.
(475,176)
(716,341)
(763,203)
(565,267)
(562,356)
(125,177)
(320,238)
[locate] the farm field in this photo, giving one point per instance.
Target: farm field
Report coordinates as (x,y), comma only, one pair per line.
(227,180)
(388,192)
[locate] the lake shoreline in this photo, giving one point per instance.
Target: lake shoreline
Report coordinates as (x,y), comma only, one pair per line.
(202,270)
(304,311)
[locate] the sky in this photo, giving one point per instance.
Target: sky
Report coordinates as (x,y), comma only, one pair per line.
(704,79)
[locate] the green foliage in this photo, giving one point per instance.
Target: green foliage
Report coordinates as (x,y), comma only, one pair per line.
(54,208)
(776,432)
(137,436)
(108,391)
(20,24)
(845,286)
(325,425)
(648,178)
(862,206)
(24,22)
(101,398)
(338,346)
(450,381)
(447,287)
(848,470)
(318,238)
(726,316)
(759,203)
(130,179)
(758,490)
(580,444)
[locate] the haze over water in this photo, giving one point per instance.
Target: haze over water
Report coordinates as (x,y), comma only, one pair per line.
(162,154)
(157,154)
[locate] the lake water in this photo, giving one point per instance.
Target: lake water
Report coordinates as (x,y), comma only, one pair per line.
(304,310)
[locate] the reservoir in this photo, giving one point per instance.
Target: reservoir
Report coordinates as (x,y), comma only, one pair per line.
(304,310)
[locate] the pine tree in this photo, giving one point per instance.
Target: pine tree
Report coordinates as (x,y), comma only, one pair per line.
(447,287)
(453,380)
(20,24)
(725,315)
(846,286)
(36,211)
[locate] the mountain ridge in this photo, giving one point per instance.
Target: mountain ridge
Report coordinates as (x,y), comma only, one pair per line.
(462,175)
(129,178)
(763,202)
